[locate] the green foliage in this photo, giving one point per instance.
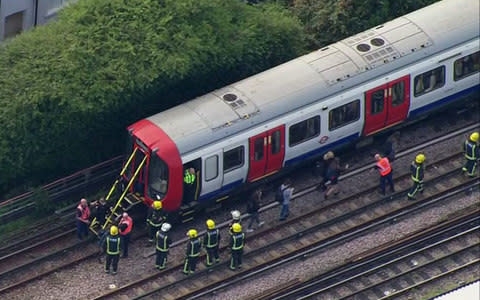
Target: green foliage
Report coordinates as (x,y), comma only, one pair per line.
(43,205)
(327,21)
(69,89)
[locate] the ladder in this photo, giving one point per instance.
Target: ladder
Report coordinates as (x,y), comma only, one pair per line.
(125,202)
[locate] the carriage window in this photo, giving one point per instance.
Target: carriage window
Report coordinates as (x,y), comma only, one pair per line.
(398,93)
(233,159)
(276,143)
(466,66)
(429,81)
(258,149)
(304,131)
(378,102)
(211,168)
(344,115)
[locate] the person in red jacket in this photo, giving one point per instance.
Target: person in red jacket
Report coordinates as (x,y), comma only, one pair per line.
(83,215)
(125,225)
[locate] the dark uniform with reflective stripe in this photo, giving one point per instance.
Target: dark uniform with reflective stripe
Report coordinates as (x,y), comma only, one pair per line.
(112,248)
(416,170)
(163,244)
(189,186)
(471,150)
(193,251)
(211,241)
(155,219)
(237,241)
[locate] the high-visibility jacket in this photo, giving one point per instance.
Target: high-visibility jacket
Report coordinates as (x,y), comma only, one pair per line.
(417,171)
(471,150)
(211,238)
(113,245)
(188,178)
(129,223)
(384,166)
(163,241)
(193,247)
(237,240)
(85,212)
(156,217)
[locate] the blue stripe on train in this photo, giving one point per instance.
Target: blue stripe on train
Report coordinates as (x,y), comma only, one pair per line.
(222,191)
(436,104)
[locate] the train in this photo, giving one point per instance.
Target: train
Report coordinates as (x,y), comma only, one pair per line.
(341,94)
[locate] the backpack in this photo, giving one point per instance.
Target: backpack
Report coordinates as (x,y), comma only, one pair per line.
(279,195)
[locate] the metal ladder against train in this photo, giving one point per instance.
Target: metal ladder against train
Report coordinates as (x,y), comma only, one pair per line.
(130,200)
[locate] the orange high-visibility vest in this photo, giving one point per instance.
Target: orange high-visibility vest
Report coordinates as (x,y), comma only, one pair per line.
(85,212)
(384,166)
(129,223)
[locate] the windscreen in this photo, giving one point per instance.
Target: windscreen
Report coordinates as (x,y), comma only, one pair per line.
(157,178)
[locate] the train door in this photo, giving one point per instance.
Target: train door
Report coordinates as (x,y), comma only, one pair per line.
(266,153)
(386,105)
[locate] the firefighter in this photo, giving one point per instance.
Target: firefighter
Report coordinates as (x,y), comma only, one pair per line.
(125,225)
(193,251)
(211,242)
(417,169)
(237,240)
(236,215)
(471,151)
(163,244)
(383,166)
(155,219)
(112,249)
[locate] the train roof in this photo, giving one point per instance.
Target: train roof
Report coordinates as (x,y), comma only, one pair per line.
(319,74)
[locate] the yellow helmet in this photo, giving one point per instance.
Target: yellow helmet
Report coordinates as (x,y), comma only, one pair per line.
(474,137)
(192,233)
(157,205)
(210,224)
(236,227)
(420,158)
(114,230)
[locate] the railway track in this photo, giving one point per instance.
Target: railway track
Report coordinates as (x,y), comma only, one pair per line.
(89,251)
(389,272)
(301,236)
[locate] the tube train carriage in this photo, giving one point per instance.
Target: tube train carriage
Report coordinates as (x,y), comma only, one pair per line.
(299,110)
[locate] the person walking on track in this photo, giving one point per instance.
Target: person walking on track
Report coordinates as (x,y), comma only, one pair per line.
(417,169)
(211,242)
(237,241)
(471,151)
(193,251)
(162,246)
(252,208)
(383,166)
(112,249)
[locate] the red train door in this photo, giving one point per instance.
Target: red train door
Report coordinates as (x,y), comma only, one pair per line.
(266,152)
(386,105)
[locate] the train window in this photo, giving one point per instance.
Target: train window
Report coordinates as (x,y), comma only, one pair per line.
(344,115)
(398,93)
(429,81)
(304,131)
(378,102)
(258,149)
(211,168)
(466,66)
(233,159)
(276,142)
(157,177)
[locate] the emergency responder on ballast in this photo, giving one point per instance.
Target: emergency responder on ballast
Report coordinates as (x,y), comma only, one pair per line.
(236,215)
(112,249)
(193,251)
(162,246)
(383,166)
(471,151)
(211,242)
(82,217)
(155,219)
(189,185)
(125,225)
(417,169)
(237,240)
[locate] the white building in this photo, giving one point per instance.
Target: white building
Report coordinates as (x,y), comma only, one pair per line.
(20,15)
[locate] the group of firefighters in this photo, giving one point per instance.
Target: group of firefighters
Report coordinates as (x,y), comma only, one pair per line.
(158,229)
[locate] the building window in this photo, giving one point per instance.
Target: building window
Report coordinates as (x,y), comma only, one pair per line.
(13,25)
(378,102)
(398,93)
(466,66)
(276,142)
(233,159)
(429,81)
(211,168)
(345,114)
(304,131)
